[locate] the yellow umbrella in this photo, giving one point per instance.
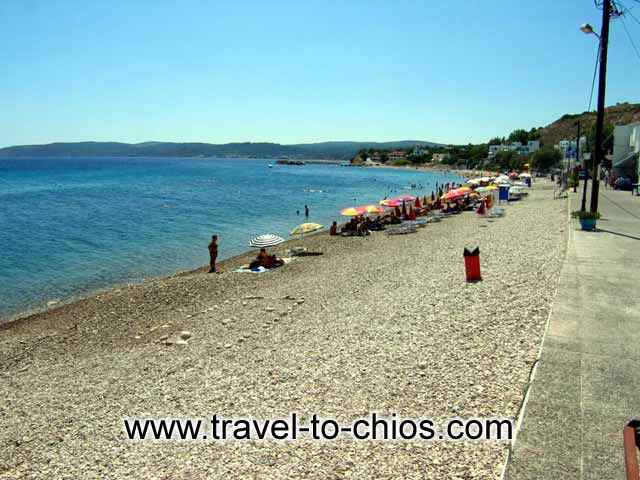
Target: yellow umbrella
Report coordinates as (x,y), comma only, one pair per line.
(491,187)
(306,228)
(372,209)
(464,189)
(352,212)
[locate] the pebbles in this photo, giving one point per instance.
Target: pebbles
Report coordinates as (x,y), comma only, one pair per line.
(380,323)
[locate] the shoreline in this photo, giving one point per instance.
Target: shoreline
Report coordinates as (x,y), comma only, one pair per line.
(379,323)
(249,254)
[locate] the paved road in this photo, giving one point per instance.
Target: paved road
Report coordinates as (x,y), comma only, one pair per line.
(587,383)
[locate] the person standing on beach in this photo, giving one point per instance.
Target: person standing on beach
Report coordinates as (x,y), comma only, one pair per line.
(213,253)
(306,211)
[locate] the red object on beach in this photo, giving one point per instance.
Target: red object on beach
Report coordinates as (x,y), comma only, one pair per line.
(472,264)
(418,205)
(482,210)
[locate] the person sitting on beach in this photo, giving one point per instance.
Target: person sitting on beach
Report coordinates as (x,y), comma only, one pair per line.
(334,229)
(265,260)
(362,229)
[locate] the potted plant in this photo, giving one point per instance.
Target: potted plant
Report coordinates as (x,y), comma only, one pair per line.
(587,219)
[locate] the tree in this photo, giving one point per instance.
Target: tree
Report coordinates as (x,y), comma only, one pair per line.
(607,143)
(496,141)
(545,158)
(509,160)
(519,135)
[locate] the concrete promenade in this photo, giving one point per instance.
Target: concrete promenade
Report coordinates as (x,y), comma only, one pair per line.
(587,383)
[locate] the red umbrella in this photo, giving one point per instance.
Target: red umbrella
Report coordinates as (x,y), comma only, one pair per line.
(418,203)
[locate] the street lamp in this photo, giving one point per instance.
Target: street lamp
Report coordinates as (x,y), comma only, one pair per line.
(588,29)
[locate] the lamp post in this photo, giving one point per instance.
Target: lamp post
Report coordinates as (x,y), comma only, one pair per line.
(602,85)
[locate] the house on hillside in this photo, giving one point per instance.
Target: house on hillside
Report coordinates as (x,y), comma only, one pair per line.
(440,157)
(529,148)
(397,155)
(419,150)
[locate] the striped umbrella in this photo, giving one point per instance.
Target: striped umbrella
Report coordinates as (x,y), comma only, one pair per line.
(267,240)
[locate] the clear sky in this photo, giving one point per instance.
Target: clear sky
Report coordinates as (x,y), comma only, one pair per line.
(299,71)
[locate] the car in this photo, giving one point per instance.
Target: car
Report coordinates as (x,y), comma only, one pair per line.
(623,183)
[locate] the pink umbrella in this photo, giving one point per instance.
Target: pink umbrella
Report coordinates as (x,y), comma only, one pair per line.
(406,198)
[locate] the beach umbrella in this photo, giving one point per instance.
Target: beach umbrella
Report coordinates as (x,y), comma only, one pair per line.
(266,240)
(491,187)
(350,212)
(453,195)
(418,205)
(464,189)
(405,198)
(392,202)
(404,209)
(306,228)
(372,209)
(433,197)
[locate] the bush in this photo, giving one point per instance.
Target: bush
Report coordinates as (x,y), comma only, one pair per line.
(401,162)
(585,215)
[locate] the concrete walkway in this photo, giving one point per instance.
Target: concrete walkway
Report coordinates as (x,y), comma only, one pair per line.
(587,383)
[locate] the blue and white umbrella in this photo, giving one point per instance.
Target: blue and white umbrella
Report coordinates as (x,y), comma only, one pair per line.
(267,240)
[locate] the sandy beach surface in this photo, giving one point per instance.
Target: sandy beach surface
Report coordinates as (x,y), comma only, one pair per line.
(381,323)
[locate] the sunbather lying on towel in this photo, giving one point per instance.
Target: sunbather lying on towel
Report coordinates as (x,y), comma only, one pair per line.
(265,260)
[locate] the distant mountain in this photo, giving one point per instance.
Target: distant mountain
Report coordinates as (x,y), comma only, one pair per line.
(565,127)
(324,150)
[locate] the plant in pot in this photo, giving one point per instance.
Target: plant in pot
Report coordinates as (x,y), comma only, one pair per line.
(587,219)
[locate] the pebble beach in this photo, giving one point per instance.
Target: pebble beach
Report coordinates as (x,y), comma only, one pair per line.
(379,323)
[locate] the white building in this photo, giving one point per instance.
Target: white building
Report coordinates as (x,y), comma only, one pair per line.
(530,147)
(440,157)
(626,147)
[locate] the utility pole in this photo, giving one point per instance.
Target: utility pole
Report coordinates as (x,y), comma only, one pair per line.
(577,180)
(602,85)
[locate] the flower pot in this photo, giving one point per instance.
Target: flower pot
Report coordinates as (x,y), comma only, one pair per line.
(588,224)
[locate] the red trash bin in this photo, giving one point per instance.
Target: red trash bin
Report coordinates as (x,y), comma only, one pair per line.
(472,264)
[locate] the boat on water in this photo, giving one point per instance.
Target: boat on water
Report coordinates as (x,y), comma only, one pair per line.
(271,165)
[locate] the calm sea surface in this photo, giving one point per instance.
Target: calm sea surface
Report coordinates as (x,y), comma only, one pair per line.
(72,226)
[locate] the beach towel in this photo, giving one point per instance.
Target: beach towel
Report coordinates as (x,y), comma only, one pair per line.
(246,269)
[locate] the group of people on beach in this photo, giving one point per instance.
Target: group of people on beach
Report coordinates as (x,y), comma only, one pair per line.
(357,226)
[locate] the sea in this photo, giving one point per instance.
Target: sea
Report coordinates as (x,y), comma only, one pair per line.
(73,226)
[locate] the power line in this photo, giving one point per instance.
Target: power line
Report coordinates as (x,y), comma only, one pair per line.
(630,38)
(628,10)
(593,82)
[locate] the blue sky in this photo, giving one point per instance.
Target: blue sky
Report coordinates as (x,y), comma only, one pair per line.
(299,71)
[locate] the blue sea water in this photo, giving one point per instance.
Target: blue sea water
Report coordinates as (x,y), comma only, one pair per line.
(70,226)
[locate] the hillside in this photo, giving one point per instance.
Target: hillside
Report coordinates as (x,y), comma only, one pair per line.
(565,126)
(324,150)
